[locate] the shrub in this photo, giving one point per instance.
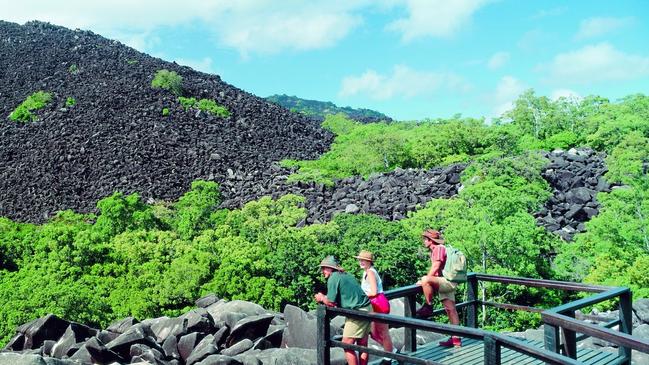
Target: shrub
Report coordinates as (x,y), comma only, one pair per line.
(70,101)
(206,105)
(35,101)
(73,69)
(168,80)
(165,112)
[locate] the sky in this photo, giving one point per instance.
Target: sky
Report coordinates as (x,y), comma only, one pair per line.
(409,59)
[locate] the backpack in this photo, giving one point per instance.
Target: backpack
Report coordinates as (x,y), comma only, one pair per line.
(455,267)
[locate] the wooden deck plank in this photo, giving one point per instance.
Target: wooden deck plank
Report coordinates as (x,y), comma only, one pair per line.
(472,353)
(602,358)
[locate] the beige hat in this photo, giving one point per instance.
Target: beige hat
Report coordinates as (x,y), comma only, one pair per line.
(331,262)
(365,255)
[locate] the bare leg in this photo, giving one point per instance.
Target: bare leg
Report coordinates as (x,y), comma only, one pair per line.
(383,333)
(350,355)
(451,311)
(364,356)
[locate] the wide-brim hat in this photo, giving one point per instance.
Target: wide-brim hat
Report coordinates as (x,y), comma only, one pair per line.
(365,255)
(331,262)
(433,235)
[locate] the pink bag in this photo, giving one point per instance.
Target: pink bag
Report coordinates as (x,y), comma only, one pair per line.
(380,303)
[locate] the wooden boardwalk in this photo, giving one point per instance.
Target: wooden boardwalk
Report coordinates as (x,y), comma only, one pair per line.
(472,353)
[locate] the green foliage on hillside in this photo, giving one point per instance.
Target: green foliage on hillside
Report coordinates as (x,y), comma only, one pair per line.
(23,112)
(321,109)
(150,260)
(206,105)
(168,80)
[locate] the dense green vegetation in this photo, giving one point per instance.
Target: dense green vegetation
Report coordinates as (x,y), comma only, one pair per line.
(143,260)
(321,109)
(23,112)
(168,80)
(206,105)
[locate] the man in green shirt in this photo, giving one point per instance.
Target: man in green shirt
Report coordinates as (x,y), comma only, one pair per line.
(344,291)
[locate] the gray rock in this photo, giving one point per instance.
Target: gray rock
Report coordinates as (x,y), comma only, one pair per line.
(238,347)
(641,309)
(206,301)
(251,327)
(187,343)
(12,358)
(123,325)
(220,360)
(352,208)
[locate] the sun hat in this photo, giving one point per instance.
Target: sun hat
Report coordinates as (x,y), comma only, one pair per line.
(365,255)
(331,262)
(433,235)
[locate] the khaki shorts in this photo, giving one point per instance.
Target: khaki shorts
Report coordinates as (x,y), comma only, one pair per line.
(446,289)
(357,328)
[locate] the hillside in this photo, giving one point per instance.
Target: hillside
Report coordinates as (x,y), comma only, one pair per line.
(116,136)
(320,109)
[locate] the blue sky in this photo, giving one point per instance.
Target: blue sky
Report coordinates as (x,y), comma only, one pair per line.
(410,59)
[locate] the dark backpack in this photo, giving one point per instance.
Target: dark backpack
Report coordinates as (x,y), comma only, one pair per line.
(455,267)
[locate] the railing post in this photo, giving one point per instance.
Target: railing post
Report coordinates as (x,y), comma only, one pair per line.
(323,336)
(472,296)
(626,322)
(410,334)
(492,350)
(551,338)
(570,339)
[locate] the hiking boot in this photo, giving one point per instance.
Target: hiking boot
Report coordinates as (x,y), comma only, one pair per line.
(425,311)
(451,342)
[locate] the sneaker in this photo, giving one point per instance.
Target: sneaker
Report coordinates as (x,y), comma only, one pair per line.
(451,342)
(425,311)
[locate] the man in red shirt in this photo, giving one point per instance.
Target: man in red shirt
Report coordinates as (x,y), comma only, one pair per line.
(435,282)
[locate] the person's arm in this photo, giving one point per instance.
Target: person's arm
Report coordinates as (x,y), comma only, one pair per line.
(434,268)
(321,298)
(371,279)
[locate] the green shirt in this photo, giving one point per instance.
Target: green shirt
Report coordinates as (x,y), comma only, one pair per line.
(345,291)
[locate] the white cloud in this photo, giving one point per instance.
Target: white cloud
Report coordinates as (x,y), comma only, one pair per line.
(507,91)
(402,82)
(247,25)
(498,60)
(435,18)
(596,63)
(593,27)
(204,64)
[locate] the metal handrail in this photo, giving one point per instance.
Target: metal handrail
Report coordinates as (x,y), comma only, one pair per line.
(554,318)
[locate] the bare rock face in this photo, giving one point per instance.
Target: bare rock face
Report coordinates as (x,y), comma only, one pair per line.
(115,137)
(575,176)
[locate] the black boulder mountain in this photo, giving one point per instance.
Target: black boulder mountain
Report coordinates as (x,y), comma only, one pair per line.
(116,138)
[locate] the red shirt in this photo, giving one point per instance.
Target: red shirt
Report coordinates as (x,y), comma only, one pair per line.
(438,253)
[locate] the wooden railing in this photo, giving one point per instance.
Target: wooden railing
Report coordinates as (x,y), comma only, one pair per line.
(559,320)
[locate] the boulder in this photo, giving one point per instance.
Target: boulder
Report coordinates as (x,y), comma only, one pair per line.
(49,327)
(251,327)
(206,301)
(239,347)
(220,360)
(12,358)
(641,309)
(122,325)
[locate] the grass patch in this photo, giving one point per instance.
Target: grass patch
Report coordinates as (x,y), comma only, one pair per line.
(206,105)
(37,100)
(168,80)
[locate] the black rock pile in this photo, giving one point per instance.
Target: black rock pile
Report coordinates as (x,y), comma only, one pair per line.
(576,176)
(215,332)
(116,138)
(390,195)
